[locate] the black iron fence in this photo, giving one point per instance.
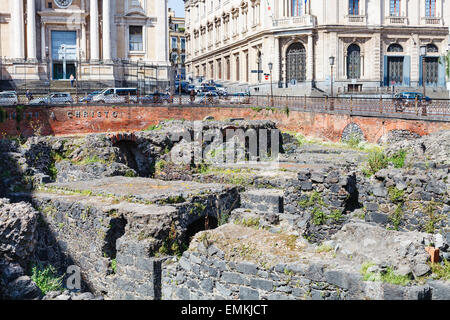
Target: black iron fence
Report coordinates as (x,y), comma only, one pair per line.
(436,109)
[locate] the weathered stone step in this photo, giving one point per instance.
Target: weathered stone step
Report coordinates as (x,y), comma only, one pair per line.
(265,200)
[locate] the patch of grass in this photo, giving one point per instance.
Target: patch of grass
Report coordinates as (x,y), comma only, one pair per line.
(396,195)
(398,158)
(92,159)
(153,127)
(442,272)
(256,109)
(249,222)
(353,140)
(324,248)
(130,174)
(173,200)
(389,276)
(46,278)
(171,245)
(433,217)
(114,265)
(291,242)
(159,165)
(375,162)
(198,208)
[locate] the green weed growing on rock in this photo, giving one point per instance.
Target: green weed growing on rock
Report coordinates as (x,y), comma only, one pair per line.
(46,278)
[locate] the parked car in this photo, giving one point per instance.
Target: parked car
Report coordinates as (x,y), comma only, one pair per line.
(189,88)
(8,98)
(156,98)
(221,91)
(116,95)
(89,96)
(207,98)
(53,98)
(240,98)
(403,100)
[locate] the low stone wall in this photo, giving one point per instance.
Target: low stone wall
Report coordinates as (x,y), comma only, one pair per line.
(318,200)
(116,243)
(204,274)
(407,199)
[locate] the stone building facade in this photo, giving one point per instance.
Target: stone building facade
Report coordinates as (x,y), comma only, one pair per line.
(177,43)
(94,40)
(375,43)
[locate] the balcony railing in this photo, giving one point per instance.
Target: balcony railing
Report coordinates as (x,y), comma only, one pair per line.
(432,20)
(305,20)
(396,20)
(356,19)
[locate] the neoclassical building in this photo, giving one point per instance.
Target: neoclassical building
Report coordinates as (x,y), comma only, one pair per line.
(375,43)
(94,40)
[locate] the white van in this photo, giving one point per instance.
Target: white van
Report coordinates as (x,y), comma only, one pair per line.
(116,95)
(8,98)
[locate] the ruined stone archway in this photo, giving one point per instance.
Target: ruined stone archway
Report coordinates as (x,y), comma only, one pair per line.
(130,153)
(352,131)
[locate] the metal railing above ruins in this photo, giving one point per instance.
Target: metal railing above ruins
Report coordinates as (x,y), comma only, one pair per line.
(434,110)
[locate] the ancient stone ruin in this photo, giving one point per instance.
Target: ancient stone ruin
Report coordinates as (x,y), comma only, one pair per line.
(224,210)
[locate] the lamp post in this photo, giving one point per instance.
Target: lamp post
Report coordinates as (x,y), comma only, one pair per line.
(423,53)
(271,86)
(331,82)
(47,59)
(179,78)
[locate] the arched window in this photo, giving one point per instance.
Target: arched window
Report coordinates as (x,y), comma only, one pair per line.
(296,62)
(430,8)
(353,7)
(297,8)
(395,47)
(353,62)
(394,7)
(431,48)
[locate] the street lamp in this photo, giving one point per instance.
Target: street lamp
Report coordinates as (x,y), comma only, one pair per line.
(271,87)
(331,59)
(423,53)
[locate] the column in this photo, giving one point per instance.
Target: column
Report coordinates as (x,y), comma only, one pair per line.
(310,59)
(31,29)
(107,30)
(17,29)
(161,46)
(276,63)
(94,30)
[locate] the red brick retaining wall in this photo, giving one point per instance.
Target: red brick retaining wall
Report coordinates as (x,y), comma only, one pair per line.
(90,119)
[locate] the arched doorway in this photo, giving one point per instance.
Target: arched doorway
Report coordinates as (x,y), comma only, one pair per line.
(353,62)
(432,66)
(395,65)
(296,63)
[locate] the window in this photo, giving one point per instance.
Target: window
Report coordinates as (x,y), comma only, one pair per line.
(174,43)
(353,7)
(353,62)
(395,48)
(136,39)
(183,43)
(395,8)
(430,8)
(297,9)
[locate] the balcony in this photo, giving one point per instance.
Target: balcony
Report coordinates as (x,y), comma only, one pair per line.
(396,20)
(356,19)
(432,20)
(301,21)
